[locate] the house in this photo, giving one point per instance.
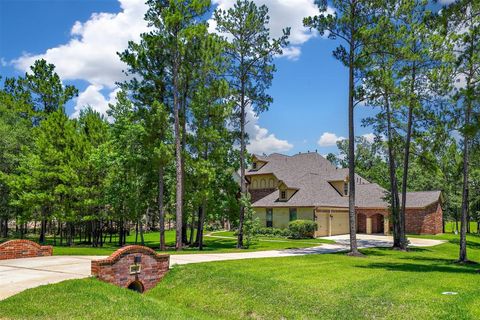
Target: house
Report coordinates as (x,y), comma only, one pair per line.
(307,186)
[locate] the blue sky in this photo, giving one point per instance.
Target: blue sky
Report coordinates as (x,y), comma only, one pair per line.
(81,37)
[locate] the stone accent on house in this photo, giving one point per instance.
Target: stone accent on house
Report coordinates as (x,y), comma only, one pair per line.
(134,267)
(258,194)
(15,249)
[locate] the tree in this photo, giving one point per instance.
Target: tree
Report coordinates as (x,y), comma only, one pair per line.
(463,22)
(250,51)
(15,136)
(176,25)
(350,23)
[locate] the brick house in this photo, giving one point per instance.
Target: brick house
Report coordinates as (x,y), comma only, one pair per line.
(307,186)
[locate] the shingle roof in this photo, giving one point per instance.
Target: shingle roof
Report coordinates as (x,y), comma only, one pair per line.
(310,173)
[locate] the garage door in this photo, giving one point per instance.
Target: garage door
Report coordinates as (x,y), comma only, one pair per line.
(338,223)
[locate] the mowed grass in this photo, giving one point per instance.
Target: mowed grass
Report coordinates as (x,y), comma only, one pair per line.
(385,284)
(450,227)
(219,242)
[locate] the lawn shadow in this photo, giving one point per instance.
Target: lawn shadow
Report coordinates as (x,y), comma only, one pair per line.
(413,267)
(470,244)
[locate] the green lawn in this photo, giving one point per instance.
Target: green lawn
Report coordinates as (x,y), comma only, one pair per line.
(450,227)
(212,244)
(385,284)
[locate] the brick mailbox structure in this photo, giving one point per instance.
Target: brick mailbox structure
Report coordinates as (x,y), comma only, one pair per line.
(15,249)
(134,267)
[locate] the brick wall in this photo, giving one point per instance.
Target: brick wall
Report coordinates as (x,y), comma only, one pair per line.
(15,249)
(424,221)
(258,194)
(417,220)
(116,268)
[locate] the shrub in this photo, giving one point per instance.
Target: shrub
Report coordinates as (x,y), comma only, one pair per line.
(273,232)
(300,229)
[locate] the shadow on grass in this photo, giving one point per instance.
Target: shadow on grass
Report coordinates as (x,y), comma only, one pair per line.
(413,267)
(380,252)
(470,244)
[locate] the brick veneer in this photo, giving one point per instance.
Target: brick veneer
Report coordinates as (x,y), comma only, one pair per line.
(257,194)
(426,220)
(116,268)
(21,248)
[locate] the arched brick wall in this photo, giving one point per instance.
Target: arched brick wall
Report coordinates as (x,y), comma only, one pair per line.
(15,249)
(116,269)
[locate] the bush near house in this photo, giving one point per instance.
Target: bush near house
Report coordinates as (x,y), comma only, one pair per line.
(301,229)
(274,232)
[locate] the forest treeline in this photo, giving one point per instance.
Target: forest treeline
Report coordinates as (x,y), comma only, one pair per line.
(172,150)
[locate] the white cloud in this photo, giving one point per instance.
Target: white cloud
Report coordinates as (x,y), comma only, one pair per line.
(94,98)
(328,139)
(3,62)
(370,137)
(283,14)
(261,141)
(444,2)
(91,53)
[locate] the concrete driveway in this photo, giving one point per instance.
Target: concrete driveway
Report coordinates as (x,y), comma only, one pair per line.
(17,275)
(377,240)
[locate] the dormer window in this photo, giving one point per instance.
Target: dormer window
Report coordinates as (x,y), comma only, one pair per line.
(283,195)
(254,166)
(345,188)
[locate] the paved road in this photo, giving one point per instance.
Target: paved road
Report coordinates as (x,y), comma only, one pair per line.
(20,274)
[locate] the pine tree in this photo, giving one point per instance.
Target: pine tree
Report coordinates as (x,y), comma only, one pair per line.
(251,51)
(350,23)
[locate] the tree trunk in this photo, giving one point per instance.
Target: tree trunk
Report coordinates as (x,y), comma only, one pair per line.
(466,158)
(43,227)
(406,160)
(184,144)
(395,201)
(178,155)
(142,238)
(243,186)
(161,212)
(201,221)
(351,153)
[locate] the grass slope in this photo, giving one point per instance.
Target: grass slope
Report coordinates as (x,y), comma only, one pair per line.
(385,284)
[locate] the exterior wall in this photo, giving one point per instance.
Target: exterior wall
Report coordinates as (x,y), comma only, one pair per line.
(263,181)
(331,222)
(261,214)
(373,220)
(417,220)
(15,249)
(424,221)
(116,268)
(281,216)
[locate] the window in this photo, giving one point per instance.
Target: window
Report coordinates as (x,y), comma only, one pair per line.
(293,214)
(283,194)
(254,166)
(264,184)
(345,188)
(270,183)
(269,217)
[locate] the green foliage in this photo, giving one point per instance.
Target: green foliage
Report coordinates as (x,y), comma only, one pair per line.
(274,232)
(251,223)
(301,229)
